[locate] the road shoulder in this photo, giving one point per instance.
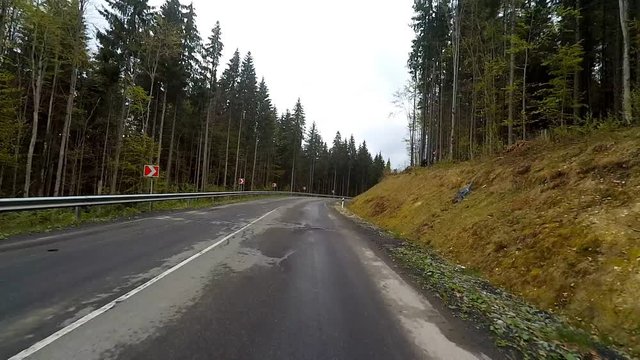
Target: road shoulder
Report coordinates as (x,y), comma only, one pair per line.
(432,325)
(511,325)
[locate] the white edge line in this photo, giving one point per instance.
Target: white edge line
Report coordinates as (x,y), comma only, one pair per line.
(85,319)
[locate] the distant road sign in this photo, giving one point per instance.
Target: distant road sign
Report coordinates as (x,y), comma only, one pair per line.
(241,181)
(274,185)
(151,171)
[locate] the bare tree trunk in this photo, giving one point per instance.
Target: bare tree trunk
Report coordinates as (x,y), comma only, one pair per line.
(205,160)
(64,170)
(66,129)
(199,162)
(74,168)
(472,123)
(348,180)
(512,68)
(119,135)
(37,78)
(104,154)
(454,98)
(82,146)
(293,170)
(235,174)
(155,116)
(626,71)
(440,111)
(153,81)
(576,74)
(423,125)
(161,129)
(173,131)
(46,151)
(412,133)
(226,156)
(245,161)
(524,78)
(255,157)
(190,166)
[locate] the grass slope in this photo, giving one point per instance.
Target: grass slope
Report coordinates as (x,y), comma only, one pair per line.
(556,222)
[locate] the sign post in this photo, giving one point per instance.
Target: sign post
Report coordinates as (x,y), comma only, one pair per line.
(241,183)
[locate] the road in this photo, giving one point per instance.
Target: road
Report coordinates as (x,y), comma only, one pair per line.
(267,279)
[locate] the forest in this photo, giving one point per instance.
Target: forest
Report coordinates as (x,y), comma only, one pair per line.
(486,74)
(81,114)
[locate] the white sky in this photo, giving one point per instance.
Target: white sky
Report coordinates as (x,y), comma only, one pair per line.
(343,59)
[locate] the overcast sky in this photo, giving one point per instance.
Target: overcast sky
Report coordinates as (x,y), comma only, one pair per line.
(343,59)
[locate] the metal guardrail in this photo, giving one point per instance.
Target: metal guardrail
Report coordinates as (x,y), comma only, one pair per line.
(41,203)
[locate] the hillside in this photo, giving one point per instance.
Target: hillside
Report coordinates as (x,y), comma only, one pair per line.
(555,222)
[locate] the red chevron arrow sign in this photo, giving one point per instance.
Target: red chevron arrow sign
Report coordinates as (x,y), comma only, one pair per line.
(151,171)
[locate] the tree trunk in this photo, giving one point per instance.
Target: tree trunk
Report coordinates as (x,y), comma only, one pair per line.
(440,111)
(512,68)
(626,71)
(226,156)
(16,153)
(205,160)
(412,139)
(82,146)
(293,170)
(104,153)
(255,157)
(524,77)
(66,129)
(456,60)
(576,74)
(348,179)
(118,150)
(199,162)
(46,151)
(161,129)
(153,81)
(37,78)
(235,174)
(173,131)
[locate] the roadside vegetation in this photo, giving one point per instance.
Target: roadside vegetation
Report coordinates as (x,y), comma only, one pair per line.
(555,222)
(27,222)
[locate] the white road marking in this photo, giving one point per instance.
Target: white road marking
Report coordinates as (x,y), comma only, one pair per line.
(62,332)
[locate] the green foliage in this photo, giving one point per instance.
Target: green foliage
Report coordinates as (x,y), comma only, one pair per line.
(559,94)
(137,151)
(137,99)
(9,125)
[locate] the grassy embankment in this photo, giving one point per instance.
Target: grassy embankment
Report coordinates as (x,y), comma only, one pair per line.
(25,222)
(555,222)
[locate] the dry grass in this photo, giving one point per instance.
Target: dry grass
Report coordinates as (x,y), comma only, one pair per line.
(555,222)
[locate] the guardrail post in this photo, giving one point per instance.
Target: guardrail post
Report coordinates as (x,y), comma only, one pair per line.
(77,212)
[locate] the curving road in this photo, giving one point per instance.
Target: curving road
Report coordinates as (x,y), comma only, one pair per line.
(269,279)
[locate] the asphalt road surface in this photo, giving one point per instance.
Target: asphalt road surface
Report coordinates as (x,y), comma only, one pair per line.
(268,279)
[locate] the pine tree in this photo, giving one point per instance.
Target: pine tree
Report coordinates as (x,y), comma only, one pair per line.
(229,84)
(121,45)
(211,54)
